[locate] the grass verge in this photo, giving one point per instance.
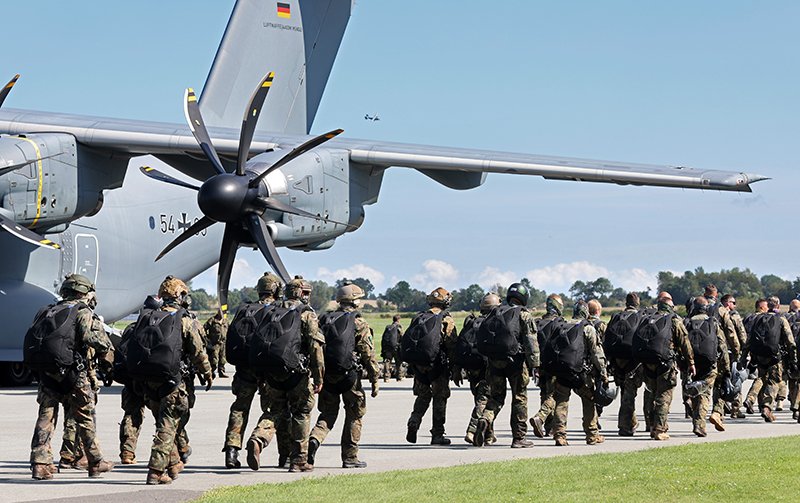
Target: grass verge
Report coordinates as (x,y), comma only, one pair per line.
(719,470)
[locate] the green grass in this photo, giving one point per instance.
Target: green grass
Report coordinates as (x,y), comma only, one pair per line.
(737,470)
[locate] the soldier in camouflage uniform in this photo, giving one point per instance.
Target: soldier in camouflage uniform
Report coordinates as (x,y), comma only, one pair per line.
(754,394)
(660,379)
(73,387)
(628,377)
(216,329)
(793,317)
(246,384)
(729,302)
(585,389)
(432,382)
(297,398)
(170,401)
(771,373)
(595,310)
(338,386)
(542,421)
(478,384)
(390,350)
(516,371)
(733,346)
(705,379)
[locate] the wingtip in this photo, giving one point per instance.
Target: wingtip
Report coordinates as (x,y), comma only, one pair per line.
(753,178)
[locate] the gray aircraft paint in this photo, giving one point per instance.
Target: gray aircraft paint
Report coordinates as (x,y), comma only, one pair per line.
(140,216)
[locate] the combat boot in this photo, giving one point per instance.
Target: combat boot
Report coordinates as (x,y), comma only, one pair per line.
(411,435)
(469,438)
(66,464)
(561,442)
(737,414)
(748,406)
(82,463)
(221,373)
(716,420)
(354,463)
(283,461)
(313,445)
(253,454)
(779,405)
(597,439)
(699,431)
(99,468)
(767,414)
(538,426)
(300,467)
(174,470)
(440,440)
(521,443)
(232,457)
(491,439)
(127,458)
(479,438)
(185,455)
(41,472)
(155,477)
(660,435)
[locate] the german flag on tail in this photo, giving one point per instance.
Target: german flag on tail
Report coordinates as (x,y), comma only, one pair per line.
(284,10)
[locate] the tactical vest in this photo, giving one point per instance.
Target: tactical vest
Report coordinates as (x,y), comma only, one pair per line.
(49,344)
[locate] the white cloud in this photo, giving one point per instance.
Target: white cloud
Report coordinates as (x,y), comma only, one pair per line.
(560,277)
(491,276)
(435,273)
(376,277)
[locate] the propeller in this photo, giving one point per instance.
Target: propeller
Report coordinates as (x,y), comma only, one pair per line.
(7,224)
(237,199)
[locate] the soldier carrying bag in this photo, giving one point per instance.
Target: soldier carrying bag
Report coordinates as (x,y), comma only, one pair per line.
(241,331)
(340,344)
(498,335)
(466,354)
(421,344)
(155,348)
(564,353)
(703,337)
(652,341)
(276,347)
(389,341)
(49,344)
(618,342)
(765,339)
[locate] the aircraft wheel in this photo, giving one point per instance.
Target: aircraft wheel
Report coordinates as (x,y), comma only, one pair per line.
(15,374)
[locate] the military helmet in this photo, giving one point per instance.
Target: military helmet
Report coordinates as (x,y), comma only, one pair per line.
(490,301)
(693,389)
(172,288)
(439,297)
(76,285)
(298,288)
(518,292)
(349,292)
(581,310)
(268,284)
(555,304)
(604,394)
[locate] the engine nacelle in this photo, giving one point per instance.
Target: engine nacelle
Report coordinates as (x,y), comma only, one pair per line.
(48,190)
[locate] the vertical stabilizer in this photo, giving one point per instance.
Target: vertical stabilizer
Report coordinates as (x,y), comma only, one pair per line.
(297,39)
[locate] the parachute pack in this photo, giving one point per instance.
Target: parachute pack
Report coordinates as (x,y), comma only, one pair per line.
(421,343)
(275,348)
(339,328)
(241,330)
(652,341)
(703,337)
(390,339)
(765,338)
(564,352)
(49,343)
(155,347)
(498,334)
(466,354)
(618,342)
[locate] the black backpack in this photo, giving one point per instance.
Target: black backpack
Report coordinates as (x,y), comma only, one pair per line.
(498,334)
(240,333)
(154,350)
(340,341)
(545,327)
(466,353)
(564,352)
(49,344)
(765,338)
(652,341)
(389,341)
(421,343)
(703,337)
(121,374)
(618,342)
(275,349)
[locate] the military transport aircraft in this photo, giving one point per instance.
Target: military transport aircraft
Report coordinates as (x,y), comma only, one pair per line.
(76,197)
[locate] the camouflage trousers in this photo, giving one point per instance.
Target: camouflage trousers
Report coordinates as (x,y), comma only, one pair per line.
(547,407)
(660,383)
(297,402)
(561,394)
(629,384)
(388,358)
(518,382)
(479,387)
(702,402)
(355,406)
(133,404)
(216,354)
(171,413)
(794,395)
(766,386)
(718,402)
(438,391)
(79,402)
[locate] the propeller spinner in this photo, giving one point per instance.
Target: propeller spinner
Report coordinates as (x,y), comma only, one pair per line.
(236,199)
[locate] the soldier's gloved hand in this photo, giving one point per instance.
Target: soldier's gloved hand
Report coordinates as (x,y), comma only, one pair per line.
(375,387)
(692,371)
(209,379)
(457,377)
(317,387)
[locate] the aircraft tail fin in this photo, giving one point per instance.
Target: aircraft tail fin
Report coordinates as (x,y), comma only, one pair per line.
(297,39)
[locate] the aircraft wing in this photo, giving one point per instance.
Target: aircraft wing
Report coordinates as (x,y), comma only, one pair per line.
(454,167)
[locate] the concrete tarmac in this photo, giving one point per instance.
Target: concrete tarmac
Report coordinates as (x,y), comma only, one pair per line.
(383,444)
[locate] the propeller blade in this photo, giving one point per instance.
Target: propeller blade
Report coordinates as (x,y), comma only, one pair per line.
(274,204)
(260,232)
(26,234)
(163,177)
(297,151)
(198,127)
(7,89)
(198,226)
(227,255)
(251,119)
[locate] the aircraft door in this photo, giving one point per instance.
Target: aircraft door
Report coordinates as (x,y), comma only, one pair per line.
(86,256)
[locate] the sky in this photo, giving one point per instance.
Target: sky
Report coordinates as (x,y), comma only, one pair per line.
(703,84)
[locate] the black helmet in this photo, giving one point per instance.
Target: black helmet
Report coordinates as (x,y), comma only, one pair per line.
(604,394)
(693,389)
(518,292)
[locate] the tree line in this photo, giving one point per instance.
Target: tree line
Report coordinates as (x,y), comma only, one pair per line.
(742,283)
